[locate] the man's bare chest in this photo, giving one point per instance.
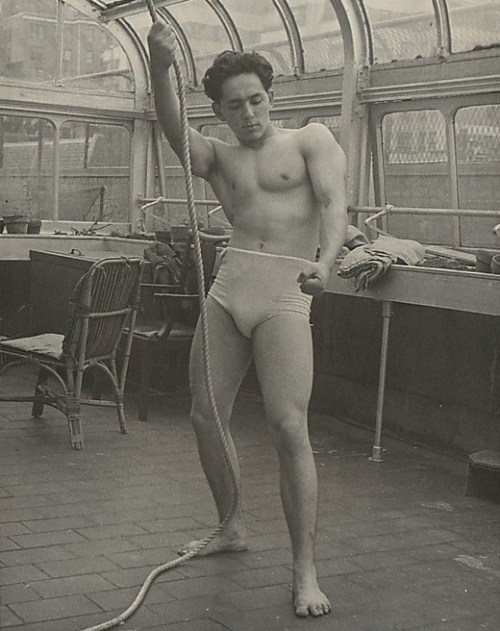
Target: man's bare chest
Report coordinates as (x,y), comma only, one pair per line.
(278,171)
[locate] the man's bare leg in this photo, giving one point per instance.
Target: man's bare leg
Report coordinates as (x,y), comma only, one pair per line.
(283,358)
(230,355)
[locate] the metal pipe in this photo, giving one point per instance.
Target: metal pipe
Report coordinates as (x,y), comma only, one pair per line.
(443,27)
(293,35)
(452,212)
(172,200)
(126,7)
(377,449)
(227,23)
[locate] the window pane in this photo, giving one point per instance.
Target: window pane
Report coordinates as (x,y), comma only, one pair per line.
(204,31)
(320,33)
(26,166)
(416,172)
(261,30)
(91,57)
(28,43)
(402,30)
(477,131)
(474,23)
(95,172)
(163,215)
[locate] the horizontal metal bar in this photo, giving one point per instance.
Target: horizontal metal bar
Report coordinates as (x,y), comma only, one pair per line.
(124,9)
(451,212)
(175,200)
(431,89)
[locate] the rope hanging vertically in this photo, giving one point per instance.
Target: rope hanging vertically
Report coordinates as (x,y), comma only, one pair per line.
(186,163)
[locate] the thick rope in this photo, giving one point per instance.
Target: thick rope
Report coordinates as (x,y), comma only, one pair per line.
(206,362)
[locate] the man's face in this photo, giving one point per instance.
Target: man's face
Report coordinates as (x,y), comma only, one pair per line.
(245,107)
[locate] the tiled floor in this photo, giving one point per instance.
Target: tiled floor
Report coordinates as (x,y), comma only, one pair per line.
(399,546)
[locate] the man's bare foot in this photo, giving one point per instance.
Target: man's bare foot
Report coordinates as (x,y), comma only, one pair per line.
(227,541)
(309,600)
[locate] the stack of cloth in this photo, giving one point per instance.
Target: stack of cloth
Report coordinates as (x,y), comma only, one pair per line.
(366,263)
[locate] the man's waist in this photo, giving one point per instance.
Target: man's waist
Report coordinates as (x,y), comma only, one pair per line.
(277,247)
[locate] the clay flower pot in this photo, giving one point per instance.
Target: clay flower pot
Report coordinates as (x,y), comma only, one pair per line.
(16,224)
(34,225)
(495,264)
(483,260)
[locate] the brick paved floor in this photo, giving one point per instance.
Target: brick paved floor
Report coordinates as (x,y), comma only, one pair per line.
(399,546)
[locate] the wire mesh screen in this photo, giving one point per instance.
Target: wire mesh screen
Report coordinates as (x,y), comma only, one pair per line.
(475,24)
(402,30)
(477,133)
(417,137)
(416,172)
(324,52)
(320,33)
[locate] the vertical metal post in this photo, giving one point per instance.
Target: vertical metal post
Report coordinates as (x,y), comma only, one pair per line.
(160,167)
(102,193)
(453,174)
(377,449)
(59,41)
(57,170)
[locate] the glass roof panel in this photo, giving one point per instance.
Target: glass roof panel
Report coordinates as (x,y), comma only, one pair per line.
(89,56)
(28,43)
(261,30)
(402,30)
(474,24)
(204,32)
(320,33)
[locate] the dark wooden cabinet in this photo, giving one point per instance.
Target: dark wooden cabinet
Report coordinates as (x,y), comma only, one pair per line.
(53,277)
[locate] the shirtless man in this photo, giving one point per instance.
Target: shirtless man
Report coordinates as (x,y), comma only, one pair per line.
(284,193)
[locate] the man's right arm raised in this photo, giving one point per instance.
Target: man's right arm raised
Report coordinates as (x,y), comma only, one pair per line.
(162,45)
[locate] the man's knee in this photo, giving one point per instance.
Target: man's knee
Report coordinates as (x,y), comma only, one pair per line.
(202,415)
(288,425)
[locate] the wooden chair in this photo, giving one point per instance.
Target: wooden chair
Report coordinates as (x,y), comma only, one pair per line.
(104,302)
(167,320)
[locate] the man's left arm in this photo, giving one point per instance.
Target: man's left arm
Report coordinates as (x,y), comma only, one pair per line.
(326,164)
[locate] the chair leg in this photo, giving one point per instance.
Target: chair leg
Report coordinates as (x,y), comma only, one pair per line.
(120,410)
(146,364)
(38,405)
(73,414)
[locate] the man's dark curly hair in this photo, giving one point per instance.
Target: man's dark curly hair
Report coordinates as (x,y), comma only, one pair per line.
(230,64)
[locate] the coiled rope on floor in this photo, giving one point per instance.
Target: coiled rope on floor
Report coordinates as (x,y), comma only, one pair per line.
(203,320)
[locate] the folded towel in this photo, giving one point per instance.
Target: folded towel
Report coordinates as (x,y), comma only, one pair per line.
(405,250)
(354,238)
(367,263)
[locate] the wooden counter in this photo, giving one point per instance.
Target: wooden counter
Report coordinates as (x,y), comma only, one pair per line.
(458,290)
(455,290)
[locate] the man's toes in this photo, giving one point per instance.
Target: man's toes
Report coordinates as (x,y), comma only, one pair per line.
(302,611)
(316,610)
(322,609)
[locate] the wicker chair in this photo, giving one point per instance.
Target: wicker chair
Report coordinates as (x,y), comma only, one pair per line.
(104,302)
